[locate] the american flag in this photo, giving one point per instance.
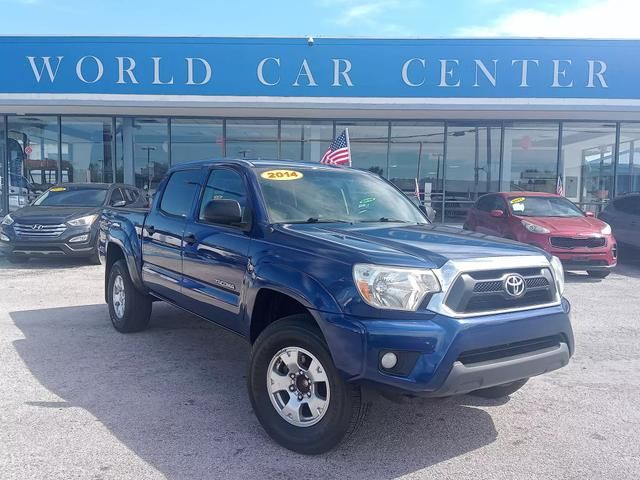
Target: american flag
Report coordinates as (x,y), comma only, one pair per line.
(560,186)
(339,152)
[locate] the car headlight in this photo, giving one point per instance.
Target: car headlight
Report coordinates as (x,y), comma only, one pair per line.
(558,273)
(533,228)
(83,221)
(394,288)
(7,220)
(606,230)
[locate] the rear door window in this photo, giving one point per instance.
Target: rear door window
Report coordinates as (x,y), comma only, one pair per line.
(180,192)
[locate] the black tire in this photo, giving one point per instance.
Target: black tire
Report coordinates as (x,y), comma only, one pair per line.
(500,391)
(345,410)
(18,260)
(598,273)
(137,305)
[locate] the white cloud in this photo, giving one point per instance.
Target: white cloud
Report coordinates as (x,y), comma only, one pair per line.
(363,12)
(601,19)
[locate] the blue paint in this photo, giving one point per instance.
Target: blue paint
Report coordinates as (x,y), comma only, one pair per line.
(376,67)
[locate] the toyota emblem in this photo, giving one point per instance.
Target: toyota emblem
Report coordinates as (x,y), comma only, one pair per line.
(515,285)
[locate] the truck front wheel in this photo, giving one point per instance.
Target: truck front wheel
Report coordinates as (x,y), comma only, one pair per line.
(129,309)
(296,391)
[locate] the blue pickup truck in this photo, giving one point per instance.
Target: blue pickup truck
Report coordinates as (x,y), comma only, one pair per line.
(342,287)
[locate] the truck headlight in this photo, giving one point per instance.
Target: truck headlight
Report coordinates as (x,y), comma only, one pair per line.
(533,228)
(394,288)
(83,221)
(558,273)
(7,220)
(606,230)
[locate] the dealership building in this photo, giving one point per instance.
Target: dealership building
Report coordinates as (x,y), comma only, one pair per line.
(464,117)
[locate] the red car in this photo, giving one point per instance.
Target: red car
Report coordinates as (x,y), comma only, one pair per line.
(550,222)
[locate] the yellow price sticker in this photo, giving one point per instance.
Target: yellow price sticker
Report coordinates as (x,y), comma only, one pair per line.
(58,189)
(282,175)
(517,200)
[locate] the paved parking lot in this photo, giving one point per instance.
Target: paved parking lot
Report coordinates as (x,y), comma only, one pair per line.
(79,400)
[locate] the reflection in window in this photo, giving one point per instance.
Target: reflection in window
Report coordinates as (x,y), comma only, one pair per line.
(628,172)
(305,140)
(473,166)
(86,149)
(252,138)
(587,153)
(417,151)
(369,145)
(196,139)
(3,175)
(530,158)
(150,152)
(33,156)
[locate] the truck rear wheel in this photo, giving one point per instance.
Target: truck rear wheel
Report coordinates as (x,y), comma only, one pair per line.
(296,391)
(500,391)
(130,309)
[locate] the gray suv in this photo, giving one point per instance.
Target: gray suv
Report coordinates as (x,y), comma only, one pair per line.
(623,214)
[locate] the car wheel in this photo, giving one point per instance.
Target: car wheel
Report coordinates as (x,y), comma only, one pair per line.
(500,391)
(18,260)
(95,258)
(296,391)
(598,273)
(129,309)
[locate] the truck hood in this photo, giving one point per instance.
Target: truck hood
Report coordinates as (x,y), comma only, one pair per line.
(51,215)
(569,225)
(410,245)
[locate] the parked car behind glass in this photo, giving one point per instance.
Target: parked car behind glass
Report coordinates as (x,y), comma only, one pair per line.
(623,214)
(550,222)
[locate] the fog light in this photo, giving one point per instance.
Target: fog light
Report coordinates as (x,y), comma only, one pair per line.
(389,360)
(4,238)
(79,238)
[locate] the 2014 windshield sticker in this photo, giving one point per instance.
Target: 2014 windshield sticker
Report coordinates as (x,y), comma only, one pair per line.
(282,175)
(517,200)
(58,189)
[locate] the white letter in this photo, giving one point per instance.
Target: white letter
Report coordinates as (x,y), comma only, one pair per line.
(557,73)
(207,71)
(307,73)
(599,73)
(444,73)
(405,71)
(156,73)
(128,70)
(261,73)
(45,64)
(524,80)
(98,64)
(344,73)
(489,76)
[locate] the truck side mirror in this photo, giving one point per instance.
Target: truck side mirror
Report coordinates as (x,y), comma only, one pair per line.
(223,212)
(497,213)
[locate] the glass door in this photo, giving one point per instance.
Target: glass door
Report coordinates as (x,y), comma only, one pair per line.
(472,166)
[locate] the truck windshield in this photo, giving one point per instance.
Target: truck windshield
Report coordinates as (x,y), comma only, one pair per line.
(310,195)
(524,206)
(72,197)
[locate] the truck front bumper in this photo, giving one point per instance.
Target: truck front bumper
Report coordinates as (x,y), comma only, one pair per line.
(441,356)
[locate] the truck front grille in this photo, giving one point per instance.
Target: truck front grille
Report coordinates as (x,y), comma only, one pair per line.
(39,230)
(509,350)
(480,292)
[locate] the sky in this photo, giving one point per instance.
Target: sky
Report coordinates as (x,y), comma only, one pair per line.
(335,18)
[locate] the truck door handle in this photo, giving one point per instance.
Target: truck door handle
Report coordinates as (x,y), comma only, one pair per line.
(190,239)
(150,229)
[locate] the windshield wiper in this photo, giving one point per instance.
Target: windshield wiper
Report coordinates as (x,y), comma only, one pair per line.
(386,220)
(320,220)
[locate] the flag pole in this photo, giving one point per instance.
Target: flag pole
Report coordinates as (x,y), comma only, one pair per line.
(346,132)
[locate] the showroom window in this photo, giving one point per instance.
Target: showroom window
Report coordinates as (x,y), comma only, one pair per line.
(628,171)
(416,150)
(86,149)
(246,138)
(305,140)
(530,157)
(196,139)
(150,145)
(33,154)
(472,166)
(3,175)
(587,163)
(369,145)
